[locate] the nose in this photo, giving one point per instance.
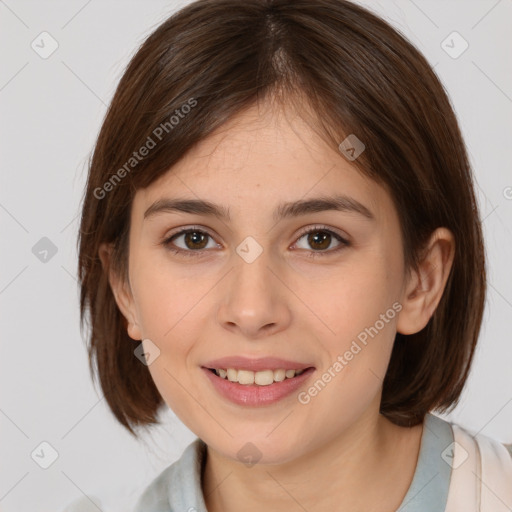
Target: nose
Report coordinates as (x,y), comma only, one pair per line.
(254,299)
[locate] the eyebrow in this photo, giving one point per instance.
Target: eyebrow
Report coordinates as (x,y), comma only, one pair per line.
(341,203)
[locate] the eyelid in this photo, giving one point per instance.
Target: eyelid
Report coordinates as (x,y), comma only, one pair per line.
(183,229)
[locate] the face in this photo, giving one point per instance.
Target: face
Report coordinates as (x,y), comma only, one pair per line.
(319,288)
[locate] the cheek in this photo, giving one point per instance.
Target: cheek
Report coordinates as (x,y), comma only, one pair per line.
(166,299)
(354,298)
(352,377)
(360,311)
(172,309)
(170,312)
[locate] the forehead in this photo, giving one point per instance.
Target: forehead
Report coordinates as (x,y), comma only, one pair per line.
(259,158)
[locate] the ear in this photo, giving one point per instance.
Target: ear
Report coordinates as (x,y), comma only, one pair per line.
(122,292)
(424,288)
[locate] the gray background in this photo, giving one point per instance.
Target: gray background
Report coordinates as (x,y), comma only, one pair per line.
(51,110)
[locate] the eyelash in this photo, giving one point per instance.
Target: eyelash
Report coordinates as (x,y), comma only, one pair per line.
(198,253)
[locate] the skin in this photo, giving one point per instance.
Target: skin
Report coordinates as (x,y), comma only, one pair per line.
(283,304)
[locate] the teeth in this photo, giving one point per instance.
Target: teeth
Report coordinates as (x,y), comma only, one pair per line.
(245,377)
(232,375)
(262,378)
(279,375)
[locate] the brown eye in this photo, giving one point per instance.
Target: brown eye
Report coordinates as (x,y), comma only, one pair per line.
(190,242)
(195,239)
(319,240)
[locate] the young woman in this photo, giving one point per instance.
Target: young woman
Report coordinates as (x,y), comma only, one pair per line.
(280,241)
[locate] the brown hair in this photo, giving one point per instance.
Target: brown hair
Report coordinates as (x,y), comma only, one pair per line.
(360,76)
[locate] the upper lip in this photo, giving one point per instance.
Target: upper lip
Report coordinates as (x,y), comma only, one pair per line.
(255,365)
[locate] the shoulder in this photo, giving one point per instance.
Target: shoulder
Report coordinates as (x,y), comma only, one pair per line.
(107,499)
(177,487)
(490,450)
(154,497)
(481,472)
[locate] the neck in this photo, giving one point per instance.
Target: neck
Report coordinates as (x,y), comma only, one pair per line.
(369,465)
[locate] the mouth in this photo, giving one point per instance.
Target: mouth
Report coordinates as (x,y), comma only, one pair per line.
(256,388)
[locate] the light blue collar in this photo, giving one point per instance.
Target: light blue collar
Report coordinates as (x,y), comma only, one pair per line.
(428,491)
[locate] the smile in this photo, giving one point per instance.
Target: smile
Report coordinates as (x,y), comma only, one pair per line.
(256,389)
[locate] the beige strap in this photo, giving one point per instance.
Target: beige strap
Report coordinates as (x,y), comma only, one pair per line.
(481,478)
(496,483)
(463,493)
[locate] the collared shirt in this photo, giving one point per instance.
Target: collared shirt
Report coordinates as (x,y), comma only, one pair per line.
(178,487)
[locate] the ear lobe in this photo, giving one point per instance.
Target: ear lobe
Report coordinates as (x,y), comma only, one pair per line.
(425,286)
(121,291)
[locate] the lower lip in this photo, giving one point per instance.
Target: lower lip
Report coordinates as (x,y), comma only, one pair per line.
(254,395)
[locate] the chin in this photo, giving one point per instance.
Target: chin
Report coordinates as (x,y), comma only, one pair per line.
(260,449)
